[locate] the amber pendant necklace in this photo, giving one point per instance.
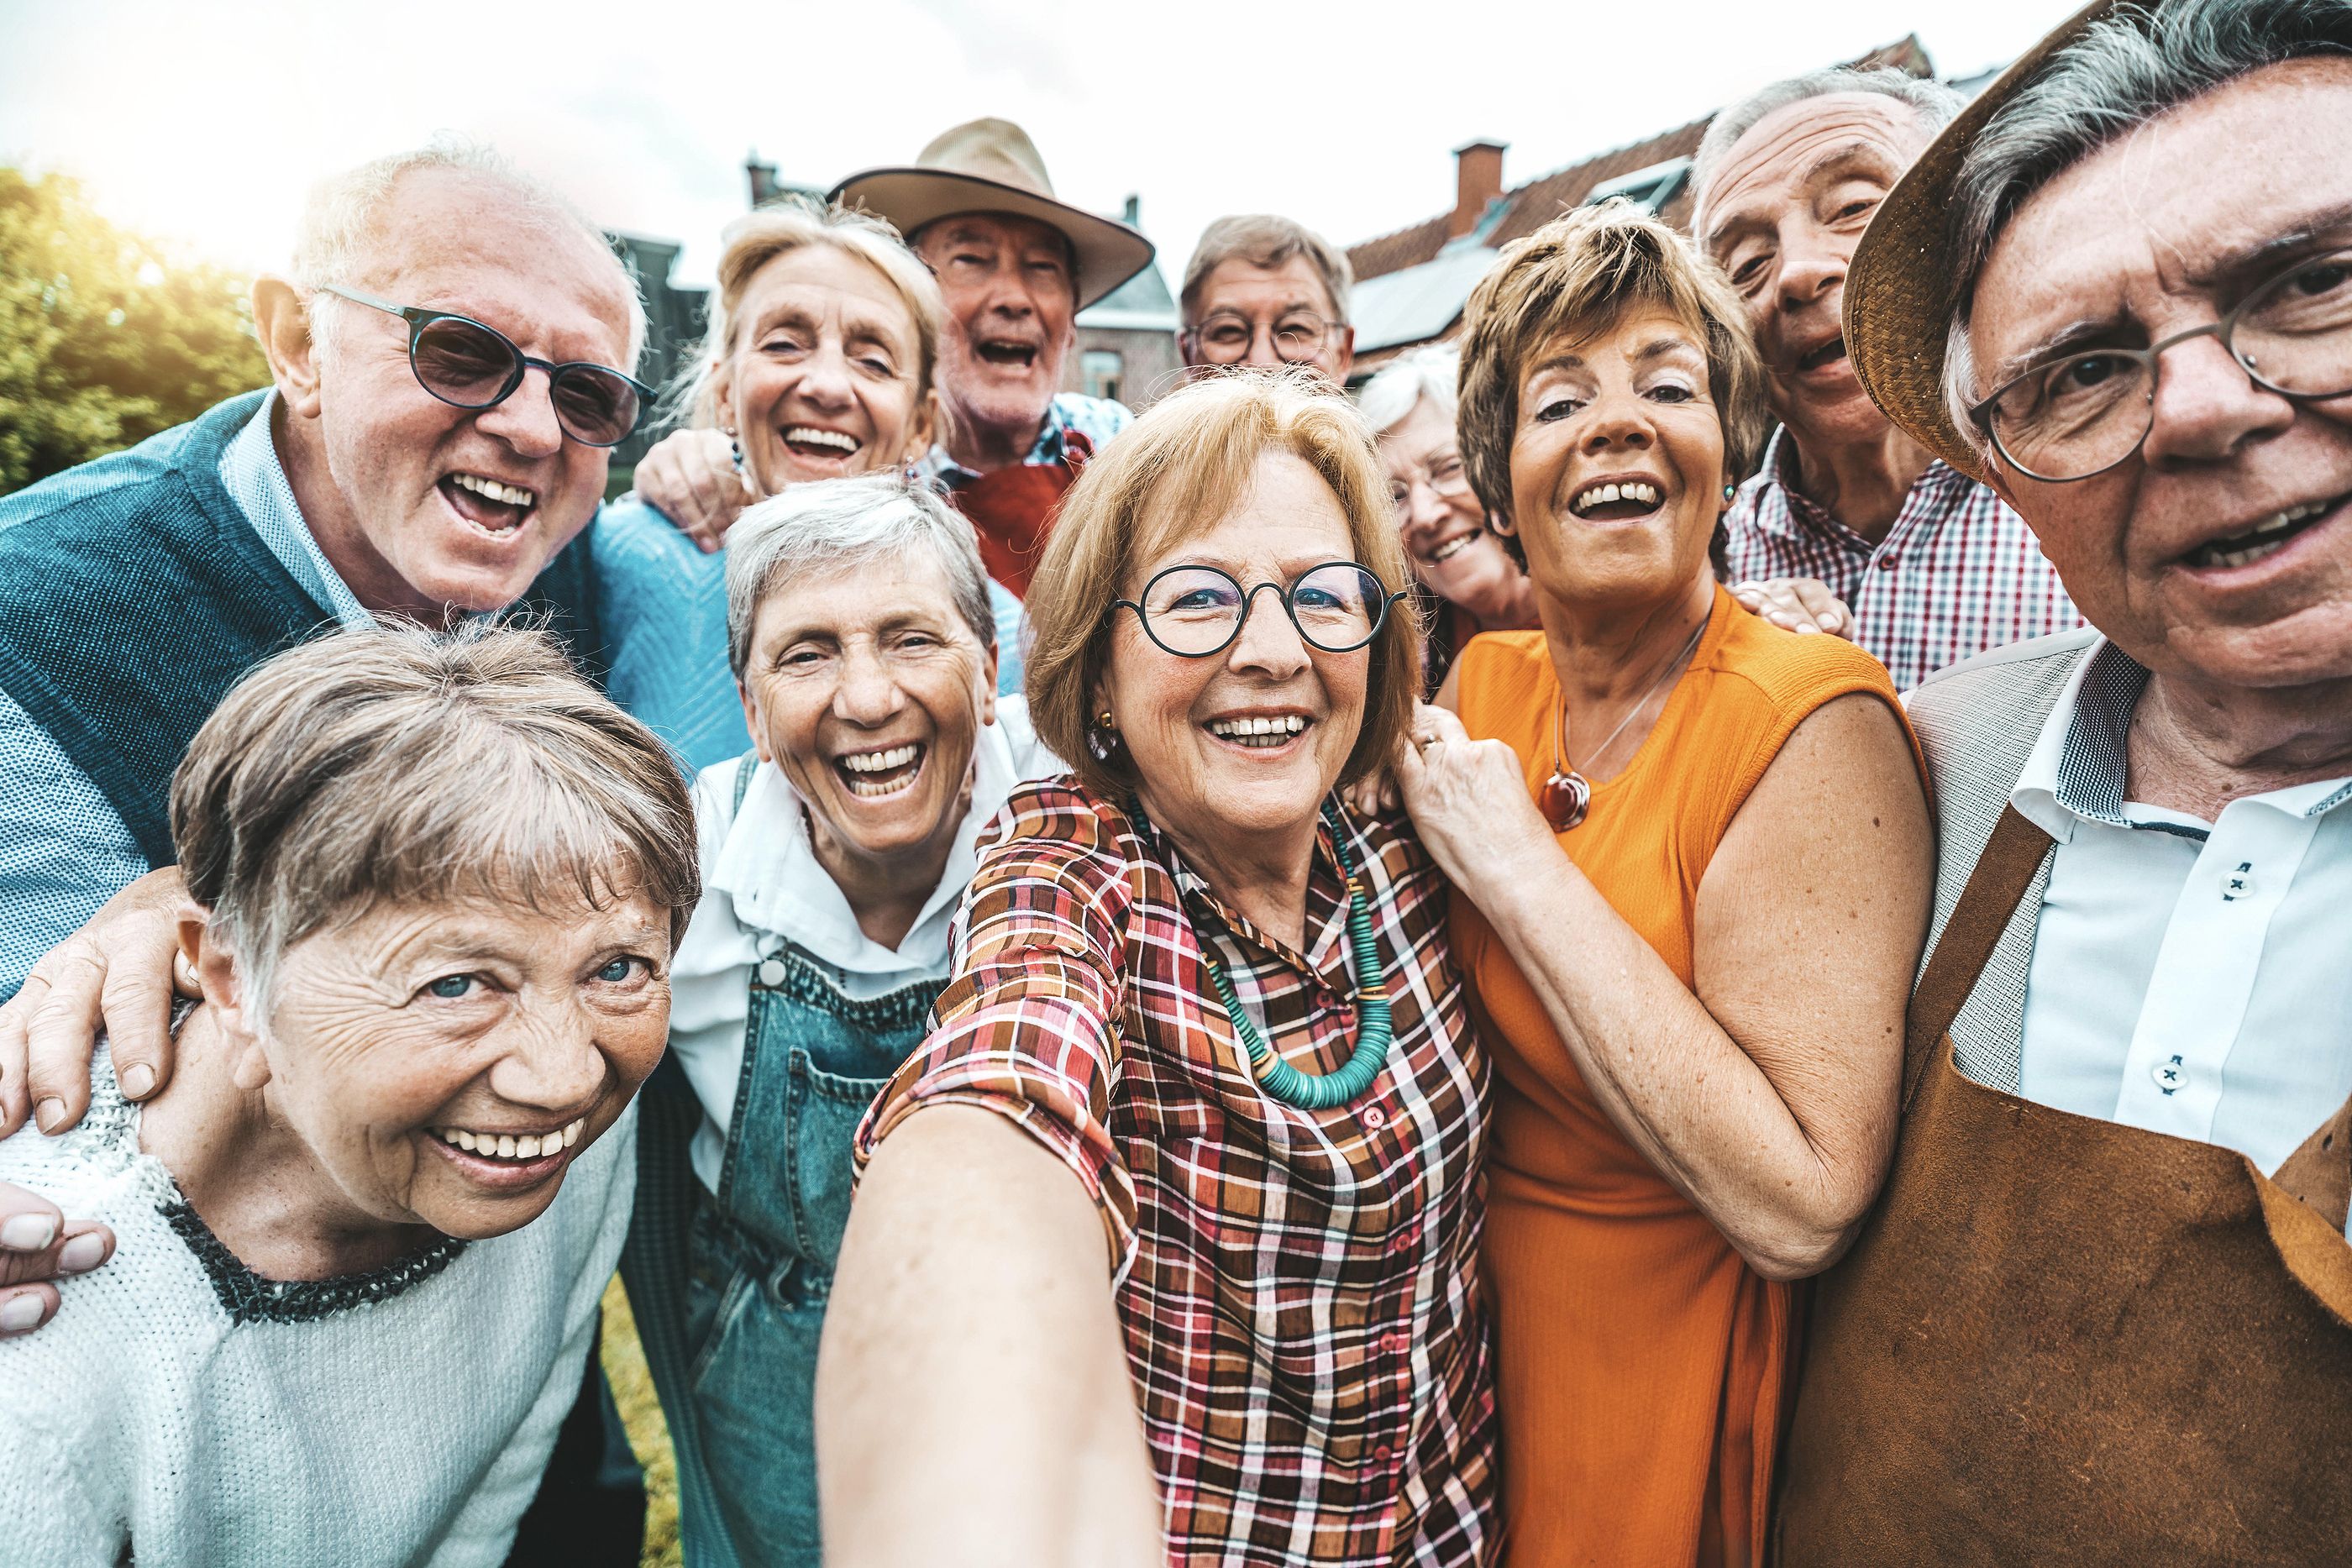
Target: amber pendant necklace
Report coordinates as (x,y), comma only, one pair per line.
(1568,794)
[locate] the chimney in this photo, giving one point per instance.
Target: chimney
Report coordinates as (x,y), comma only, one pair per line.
(1131,214)
(762,177)
(1477,180)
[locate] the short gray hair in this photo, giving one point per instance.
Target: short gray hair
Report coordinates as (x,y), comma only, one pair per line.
(1936,104)
(394,764)
(1263,239)
(2126,70)
(828,525)
(1433,371)
(343,220)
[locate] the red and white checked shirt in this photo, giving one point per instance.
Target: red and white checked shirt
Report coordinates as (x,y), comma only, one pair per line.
(1298,1289)
(1957,573)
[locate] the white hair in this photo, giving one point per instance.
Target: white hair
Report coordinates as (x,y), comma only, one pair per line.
(828,525)
(2126,70)
(343,220)
(1936,104)
(1433,371)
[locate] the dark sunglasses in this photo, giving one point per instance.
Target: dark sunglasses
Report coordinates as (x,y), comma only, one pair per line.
(468,365)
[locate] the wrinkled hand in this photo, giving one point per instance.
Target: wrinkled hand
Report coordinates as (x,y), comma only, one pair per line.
(122,967)
(1469,803)
(690,476)
(1797,604)
(38,1244)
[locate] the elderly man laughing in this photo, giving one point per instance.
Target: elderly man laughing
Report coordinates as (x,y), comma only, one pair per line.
(2104,1313)
(1930,565)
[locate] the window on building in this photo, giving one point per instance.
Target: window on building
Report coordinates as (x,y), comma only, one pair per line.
(1105,373)
(1650,189)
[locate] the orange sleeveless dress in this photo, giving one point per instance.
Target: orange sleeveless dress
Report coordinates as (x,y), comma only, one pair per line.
(1641,1364)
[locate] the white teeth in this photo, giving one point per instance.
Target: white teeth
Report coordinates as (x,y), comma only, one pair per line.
(508,1146)
(809,435)
(1451,548)
(511,495)
(2261,540)
(1601,495)
(1276,729)
(881,761)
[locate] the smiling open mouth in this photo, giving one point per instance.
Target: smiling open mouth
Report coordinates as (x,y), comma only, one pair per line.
(1450,549)
(1003,352)
(875,775)
(1260,732)
(511,1146)
(2264,539)
(808,441)
(1828,353)
(1617,501)
(490,505)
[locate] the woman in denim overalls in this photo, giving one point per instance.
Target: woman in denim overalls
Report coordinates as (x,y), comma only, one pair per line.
(833,855)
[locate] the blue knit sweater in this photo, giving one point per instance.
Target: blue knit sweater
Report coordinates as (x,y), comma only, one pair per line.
(133,593)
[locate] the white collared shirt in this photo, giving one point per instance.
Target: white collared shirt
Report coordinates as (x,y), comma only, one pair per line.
(762,884)
(2189,977)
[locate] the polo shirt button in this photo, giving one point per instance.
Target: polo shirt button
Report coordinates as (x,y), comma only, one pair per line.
(772,972)
(1376,1118)
(2170,1075)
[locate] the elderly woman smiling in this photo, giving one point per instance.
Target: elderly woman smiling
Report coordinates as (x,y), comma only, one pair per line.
(366,1225)
(833,853)
(1475,583)
(821,362)
(1198,1123)
(1657,811)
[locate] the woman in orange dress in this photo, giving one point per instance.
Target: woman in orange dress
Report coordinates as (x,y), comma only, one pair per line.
(1692,860)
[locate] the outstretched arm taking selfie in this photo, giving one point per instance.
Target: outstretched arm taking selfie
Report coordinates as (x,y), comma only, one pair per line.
(974,1403)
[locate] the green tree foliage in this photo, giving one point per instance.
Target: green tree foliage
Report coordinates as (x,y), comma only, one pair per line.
(106,336)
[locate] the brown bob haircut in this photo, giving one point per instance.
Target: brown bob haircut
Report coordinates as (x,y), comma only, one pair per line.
(1579,274)
(394,764)
(1175,472)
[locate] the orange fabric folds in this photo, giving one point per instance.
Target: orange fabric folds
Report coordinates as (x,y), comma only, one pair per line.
(1640,1362)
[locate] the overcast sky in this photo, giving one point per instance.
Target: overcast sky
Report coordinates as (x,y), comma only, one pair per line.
(206,120)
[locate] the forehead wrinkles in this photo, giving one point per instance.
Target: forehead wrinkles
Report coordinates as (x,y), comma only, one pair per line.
(1773,160)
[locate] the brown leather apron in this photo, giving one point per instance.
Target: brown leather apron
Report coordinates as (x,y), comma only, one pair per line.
(1012,510)
(2063,1341)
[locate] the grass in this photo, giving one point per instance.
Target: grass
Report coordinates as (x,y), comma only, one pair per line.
(632,1391)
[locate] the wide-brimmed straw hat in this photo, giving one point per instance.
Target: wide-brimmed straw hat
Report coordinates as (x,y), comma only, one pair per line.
(992,166)
(1898,296)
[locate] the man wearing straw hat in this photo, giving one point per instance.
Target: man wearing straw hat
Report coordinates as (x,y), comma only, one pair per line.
(2103,1314)
(1016,264)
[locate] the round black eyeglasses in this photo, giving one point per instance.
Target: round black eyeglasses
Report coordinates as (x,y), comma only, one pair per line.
(1193,612)
(468,365)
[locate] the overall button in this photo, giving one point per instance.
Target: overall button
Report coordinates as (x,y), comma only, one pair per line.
(2169,1076)
(772,972)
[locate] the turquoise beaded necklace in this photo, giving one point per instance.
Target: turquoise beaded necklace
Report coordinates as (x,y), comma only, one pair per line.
(1311,1092)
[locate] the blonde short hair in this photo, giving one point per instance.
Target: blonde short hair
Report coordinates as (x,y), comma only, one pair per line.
(787,224)
(1183,465)
(396,764)
(1263,239)
(1580,272)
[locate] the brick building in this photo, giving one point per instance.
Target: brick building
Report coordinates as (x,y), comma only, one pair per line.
(1411,285)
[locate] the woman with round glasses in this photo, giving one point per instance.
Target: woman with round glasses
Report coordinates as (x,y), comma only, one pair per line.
(1692,860)
(821,362)
(1470,582)
(1197,1132)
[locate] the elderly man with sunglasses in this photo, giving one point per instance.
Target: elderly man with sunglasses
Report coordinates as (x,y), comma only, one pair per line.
(449,353)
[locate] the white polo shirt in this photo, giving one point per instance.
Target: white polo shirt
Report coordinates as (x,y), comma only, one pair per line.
(2191,978)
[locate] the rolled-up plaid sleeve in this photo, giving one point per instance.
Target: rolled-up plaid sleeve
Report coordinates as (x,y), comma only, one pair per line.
(1027,1026)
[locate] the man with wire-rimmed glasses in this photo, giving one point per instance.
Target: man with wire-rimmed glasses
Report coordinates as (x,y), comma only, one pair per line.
(2118,290)
(1263,290)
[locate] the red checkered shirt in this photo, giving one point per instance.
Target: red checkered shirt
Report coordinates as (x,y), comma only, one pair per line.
(1299,1290)
(1958,572)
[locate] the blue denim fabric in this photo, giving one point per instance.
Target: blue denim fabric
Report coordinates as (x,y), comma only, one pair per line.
(759,1257)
